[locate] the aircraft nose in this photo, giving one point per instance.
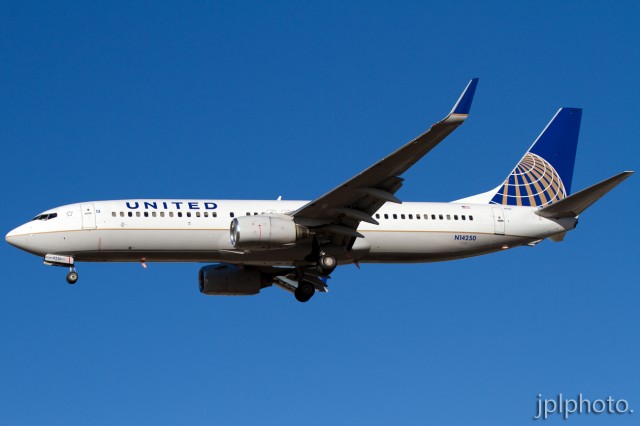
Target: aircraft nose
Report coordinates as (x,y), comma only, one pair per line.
(10,235)
(17,238)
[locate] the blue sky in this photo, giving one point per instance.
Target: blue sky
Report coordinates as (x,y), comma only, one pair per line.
(250,100)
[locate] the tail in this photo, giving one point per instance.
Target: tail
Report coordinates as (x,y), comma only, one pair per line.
(543,176)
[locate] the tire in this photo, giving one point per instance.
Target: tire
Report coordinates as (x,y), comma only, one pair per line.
(72,277)
(326,264)
(304,292)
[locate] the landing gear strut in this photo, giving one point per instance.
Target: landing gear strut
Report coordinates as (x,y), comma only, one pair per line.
(72,276)
(305,291)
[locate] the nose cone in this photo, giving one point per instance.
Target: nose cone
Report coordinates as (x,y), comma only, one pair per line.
(19,237)
(10,237)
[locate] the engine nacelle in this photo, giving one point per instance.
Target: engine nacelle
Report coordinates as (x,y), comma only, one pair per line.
(265,232)
(229,280)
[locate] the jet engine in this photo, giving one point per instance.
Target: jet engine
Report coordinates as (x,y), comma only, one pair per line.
(265,232)
(229,280)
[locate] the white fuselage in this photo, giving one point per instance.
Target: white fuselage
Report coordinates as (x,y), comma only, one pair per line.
(198,231)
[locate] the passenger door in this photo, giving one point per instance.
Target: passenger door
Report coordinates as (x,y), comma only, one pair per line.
(88,212)
(498,220)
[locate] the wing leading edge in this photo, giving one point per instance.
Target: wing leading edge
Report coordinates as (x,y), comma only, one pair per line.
(336,215)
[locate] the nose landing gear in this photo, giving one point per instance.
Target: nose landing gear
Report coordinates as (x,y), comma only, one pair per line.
(64,261)
(72,276)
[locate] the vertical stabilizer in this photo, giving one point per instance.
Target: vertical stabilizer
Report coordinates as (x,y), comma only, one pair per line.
(544,174)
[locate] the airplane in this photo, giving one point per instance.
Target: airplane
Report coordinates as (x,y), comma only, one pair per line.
(296,245)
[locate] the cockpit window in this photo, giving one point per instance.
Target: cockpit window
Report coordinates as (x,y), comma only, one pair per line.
(46,216)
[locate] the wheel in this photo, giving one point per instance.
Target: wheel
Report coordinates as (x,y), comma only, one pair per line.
(326,264)
(304,292)
(72,277)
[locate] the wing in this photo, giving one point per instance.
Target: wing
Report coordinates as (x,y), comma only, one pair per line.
(336,215)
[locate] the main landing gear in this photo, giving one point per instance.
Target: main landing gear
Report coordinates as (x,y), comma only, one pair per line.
(326,264)
(305,291)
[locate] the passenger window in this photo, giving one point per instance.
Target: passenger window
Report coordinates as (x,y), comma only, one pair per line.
(146,214)
(455,216)
(433,216)
(197,214)
(214,214)
(448,217)
(121,214)
(410,216)
(170,214)
(386,216)
(130,214)
(377,216)
(188,214)
(470,217)
(113,214)
(137,214)
(248,214)
(395,216)
(418,216)
(402,216)
(440,216)
(463,217)
(206,214)
(161,214)
(179,214)
(153,214)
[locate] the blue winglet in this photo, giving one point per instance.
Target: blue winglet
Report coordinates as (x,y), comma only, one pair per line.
(463,106)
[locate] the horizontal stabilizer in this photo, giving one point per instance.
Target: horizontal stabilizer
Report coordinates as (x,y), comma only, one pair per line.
(575,204)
